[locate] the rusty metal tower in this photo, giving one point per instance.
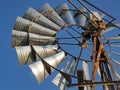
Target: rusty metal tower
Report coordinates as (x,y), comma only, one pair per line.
(82,37)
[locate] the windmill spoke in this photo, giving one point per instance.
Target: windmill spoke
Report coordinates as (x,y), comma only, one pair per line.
(67,43)
(79,56)
(59,38)
(75,30)
(72,36)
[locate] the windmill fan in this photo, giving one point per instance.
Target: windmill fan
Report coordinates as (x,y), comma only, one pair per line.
(88,40)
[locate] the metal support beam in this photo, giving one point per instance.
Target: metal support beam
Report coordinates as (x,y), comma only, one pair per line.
(94,58)
(80,78)
(99,9)
(94,83)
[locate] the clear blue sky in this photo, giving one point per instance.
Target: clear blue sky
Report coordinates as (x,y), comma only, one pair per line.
(13,76)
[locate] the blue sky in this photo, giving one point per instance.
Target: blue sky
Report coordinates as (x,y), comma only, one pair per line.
(13,76)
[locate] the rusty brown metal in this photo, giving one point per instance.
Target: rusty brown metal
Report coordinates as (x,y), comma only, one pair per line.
(49,12)
(94,83)
(104,78)
(94,56)
(89,20)
(94,52)
(109,63)
(99,49)
(63,11)
(97,60)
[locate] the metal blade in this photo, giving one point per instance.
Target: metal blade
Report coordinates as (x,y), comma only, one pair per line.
(115,53)
(113,72)
(95,16)
(60,80)
(39,70)
(113,38)
(50,13)
(38,18)
(65,14)
(29,26)
(117,62)
(86,72)
(20,38)
(79,17)
(111,26)
(41,40)
(117,46)
(118,75)
(102,15)
(25,54)
(98,70)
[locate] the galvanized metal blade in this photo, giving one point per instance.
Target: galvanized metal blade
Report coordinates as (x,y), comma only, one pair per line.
(20,38)
(86,72)
(64,12)
(40,71)
(62,79)
(95,16)
(102,15)
(111,26)
(116,61)
(113,38)
(117,46)
(79,17)
(116,53)
(40,19)
(98,70)
(110,66)
(26,54)
(118,75)
(25,25)
(50,13)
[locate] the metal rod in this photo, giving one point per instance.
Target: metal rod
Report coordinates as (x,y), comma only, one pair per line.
(96,17)
(78,60)
(110,64)
(65,9)
(97,61)
(102,73)
(105,72)
(106,43)
(107,68)
(67,37)
(86,8)
(75,30)
(94,52)
(81,59)
(104,13)
(72,35)
(94,83)
(67,43)
(77,8)
(98,9)
(89,20)
(94,56)
(93,14)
